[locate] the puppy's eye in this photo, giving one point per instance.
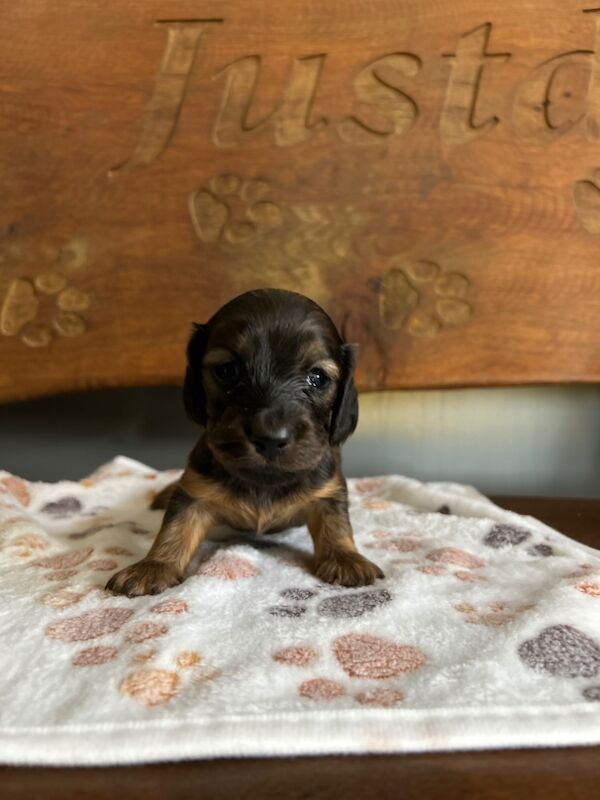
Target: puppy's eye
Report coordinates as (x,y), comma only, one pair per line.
(227,372)
(317,378)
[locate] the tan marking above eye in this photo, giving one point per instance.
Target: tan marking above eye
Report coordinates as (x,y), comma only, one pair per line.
(217,356)
(329,367)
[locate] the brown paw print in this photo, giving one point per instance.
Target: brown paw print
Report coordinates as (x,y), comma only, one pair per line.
(440,561)
(497,614)
(90,625)
(376,504)
(25,545)
(40,308)
(233,209)
(360,656)
(68,560)
(369,485)
(591,588)
(296,655)
(586,196)
(325,689)
(61,598)
(420,298)
(444,561)
(62,566)
(393,541)
(15,488)
(228,567)
(155,686)
(455,557)
(149,686)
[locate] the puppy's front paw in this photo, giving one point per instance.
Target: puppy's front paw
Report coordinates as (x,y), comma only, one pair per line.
(347,569)
(144,577)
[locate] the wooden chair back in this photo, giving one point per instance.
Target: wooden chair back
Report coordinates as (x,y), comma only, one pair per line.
(429,172)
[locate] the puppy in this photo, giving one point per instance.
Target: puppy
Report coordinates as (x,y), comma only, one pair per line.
(271,381)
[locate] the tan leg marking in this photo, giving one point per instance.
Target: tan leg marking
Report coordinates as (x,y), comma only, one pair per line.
(336,557)
(185,525)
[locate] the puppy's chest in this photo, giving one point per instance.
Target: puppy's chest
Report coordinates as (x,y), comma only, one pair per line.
(256,514)
(263,517)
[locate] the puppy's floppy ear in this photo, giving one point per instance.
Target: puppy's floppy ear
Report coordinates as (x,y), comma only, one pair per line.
(344,415)
(194,398)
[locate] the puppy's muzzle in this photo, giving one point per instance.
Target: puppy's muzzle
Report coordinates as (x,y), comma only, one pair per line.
(269,433)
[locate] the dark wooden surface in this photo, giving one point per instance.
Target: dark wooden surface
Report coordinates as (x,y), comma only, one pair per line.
(544,774)
(428,171)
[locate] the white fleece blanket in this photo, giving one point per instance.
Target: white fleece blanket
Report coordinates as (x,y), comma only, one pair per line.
(485,632)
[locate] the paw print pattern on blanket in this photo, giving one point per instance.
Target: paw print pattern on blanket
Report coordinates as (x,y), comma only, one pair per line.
(93,656)
(343,604)
(563,651)
(296,655)
(453,569)
(61,598)
(443,558)
(63,565)
(369,485)
(27,545)
(147,686)
(496,614)
(89,625)
(360,656)
(321,689)
(590,588)
(386,540)
(64,507)
(505,536)
(16,488)
(364,656)
(228,567)
(151,687)
(155,686)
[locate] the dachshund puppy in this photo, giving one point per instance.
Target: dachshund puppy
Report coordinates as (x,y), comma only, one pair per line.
(271,381)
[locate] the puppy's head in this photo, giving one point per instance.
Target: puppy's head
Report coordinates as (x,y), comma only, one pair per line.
(272,381)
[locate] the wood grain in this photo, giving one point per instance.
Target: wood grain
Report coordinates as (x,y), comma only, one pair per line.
(538,774)
(429,172)
(562,774)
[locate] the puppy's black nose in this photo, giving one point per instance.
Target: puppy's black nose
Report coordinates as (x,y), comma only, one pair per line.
(268,432)
(272,444)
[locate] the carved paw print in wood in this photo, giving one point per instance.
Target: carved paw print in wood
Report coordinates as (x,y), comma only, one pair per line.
(586,196)
(233,209)
(41,307)
(420,298)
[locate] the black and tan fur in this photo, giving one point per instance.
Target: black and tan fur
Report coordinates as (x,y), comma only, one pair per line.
(269,457)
